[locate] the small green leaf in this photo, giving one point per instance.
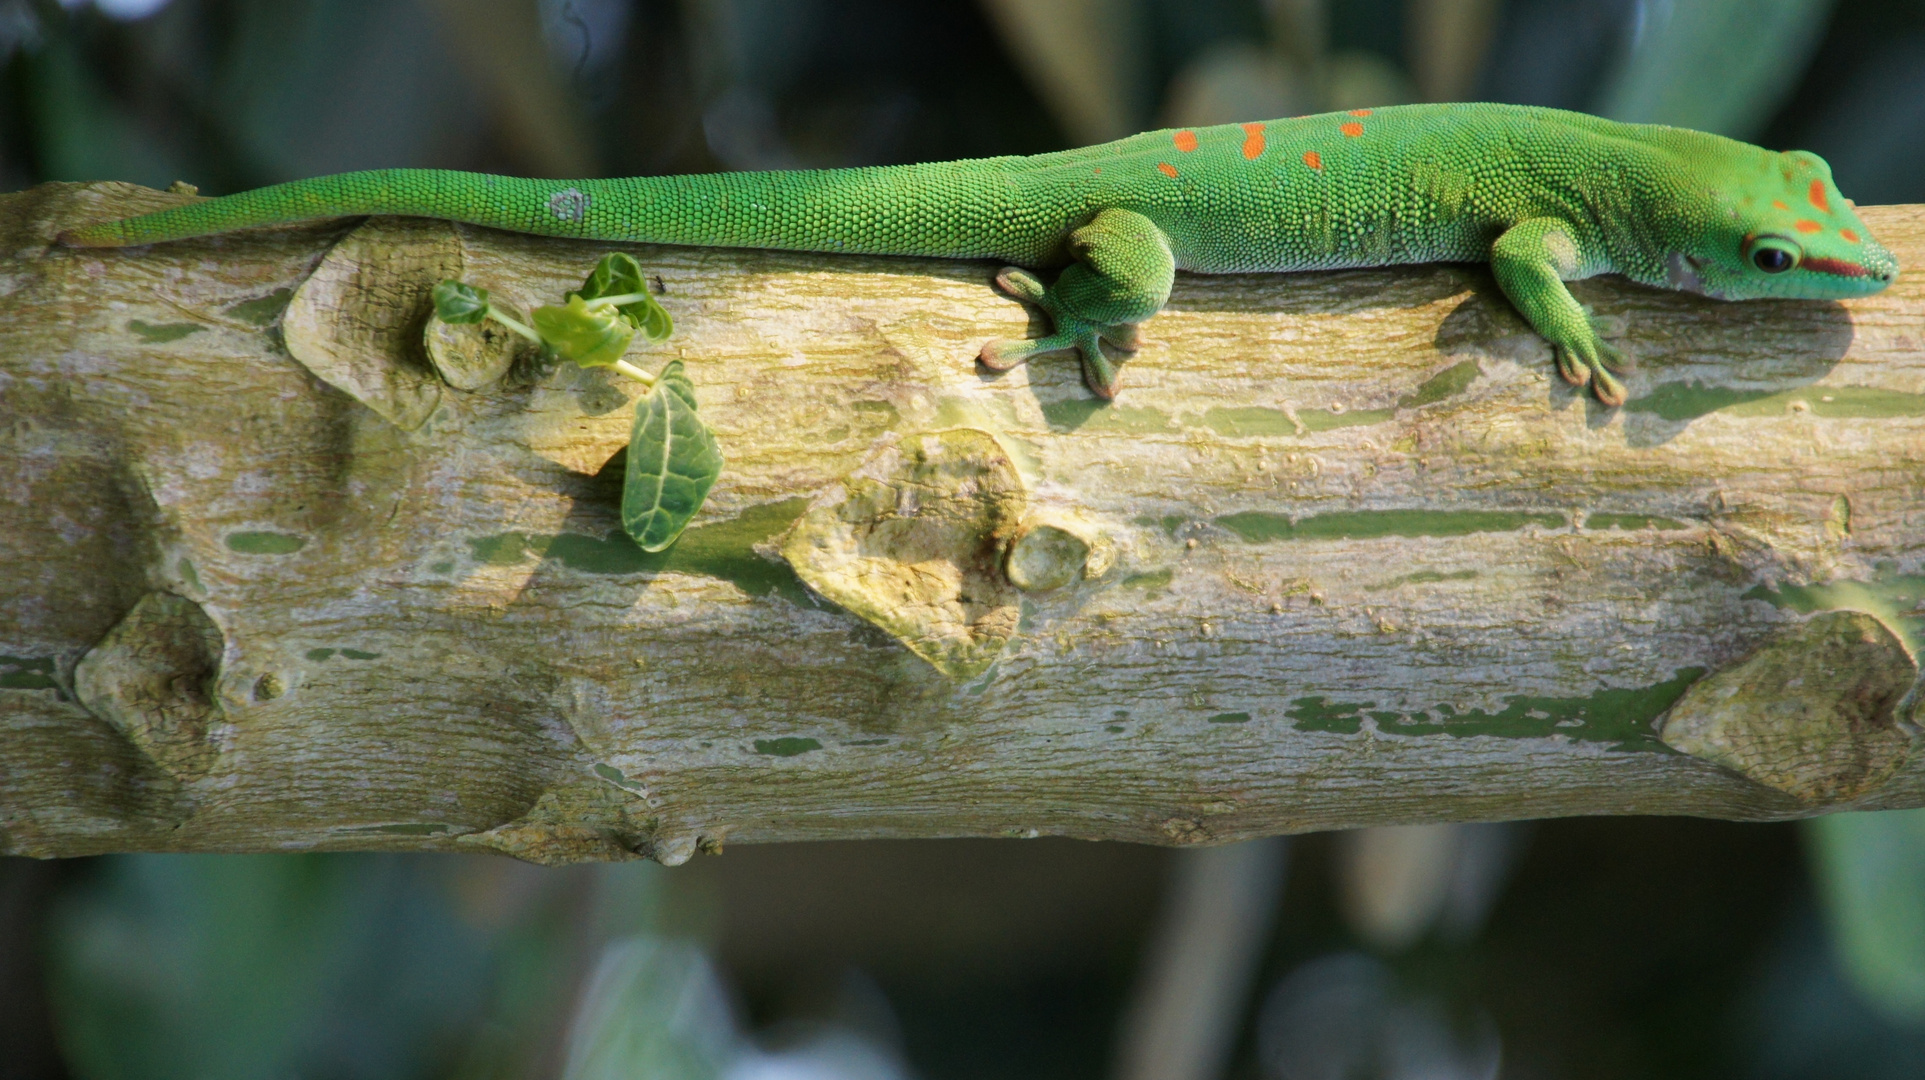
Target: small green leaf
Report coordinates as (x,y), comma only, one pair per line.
(618,274)
(615,275)
(458,302)
(591,337)
(651,318)
(673,460)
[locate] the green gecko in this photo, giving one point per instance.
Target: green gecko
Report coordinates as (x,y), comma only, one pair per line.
(1544,196)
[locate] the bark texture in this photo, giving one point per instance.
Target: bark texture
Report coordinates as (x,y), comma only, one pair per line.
(1344,552)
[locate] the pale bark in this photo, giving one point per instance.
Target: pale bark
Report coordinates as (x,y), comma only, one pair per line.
(245,610)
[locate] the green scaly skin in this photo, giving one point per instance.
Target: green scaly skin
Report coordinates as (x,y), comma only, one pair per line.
(1544,196)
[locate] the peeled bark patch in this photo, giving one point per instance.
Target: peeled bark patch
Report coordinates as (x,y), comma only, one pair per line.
(1048,555)
(914,541)
(470,356)
(357,322)
(1813,713)
(152,678)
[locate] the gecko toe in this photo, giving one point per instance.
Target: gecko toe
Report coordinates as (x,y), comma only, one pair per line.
(1006,353)
(1573,369)
(1099,372)
(1613,358)
(1023,285)
(1607,388)
(1126,337)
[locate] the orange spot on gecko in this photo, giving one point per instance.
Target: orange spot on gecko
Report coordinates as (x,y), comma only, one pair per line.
(1252,141)
(1352,129)
(1186,140)
(1313,159)
(1849,236)
(1780,204)
(1166,169)
(1804,226)
(1360,112)
(1818,196)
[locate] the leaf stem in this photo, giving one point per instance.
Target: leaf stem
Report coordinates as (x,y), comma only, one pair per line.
(633,372)
(618,300)
(496,314)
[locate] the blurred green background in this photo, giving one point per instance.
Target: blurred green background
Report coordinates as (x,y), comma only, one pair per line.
(1600,948)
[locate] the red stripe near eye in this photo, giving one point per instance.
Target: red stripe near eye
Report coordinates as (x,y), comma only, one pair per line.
(1837,267)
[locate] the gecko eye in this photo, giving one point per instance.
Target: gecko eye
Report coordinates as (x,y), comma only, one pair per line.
(1774,256)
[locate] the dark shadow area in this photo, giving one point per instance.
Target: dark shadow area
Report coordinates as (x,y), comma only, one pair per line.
(28,1048)
(1001,958)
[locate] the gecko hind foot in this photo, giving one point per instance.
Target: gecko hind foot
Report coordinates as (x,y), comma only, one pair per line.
(1099,372)
(1073,334)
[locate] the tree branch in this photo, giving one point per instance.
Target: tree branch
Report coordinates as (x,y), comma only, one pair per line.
(1344,552)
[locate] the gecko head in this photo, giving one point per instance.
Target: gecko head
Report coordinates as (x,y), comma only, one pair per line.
(1779,228)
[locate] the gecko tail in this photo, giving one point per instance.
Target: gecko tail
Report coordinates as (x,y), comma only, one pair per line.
(100,234)
(558,207)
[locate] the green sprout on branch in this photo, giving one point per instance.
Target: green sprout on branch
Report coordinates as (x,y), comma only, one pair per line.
(593,328)
(673,458)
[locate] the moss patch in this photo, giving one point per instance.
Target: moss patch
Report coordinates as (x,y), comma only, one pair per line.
(1257,526)
(1449,382)
(27,673)
(1423,577)
(262,310)
(1890,595)
(1632,522)
(1622,718)
(786,746)
(1089,414)
(1690,400)
(265,543)
(162,333)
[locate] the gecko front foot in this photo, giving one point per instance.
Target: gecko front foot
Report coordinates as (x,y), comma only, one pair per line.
(1121,275)
(1590,363)
(1072,334)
